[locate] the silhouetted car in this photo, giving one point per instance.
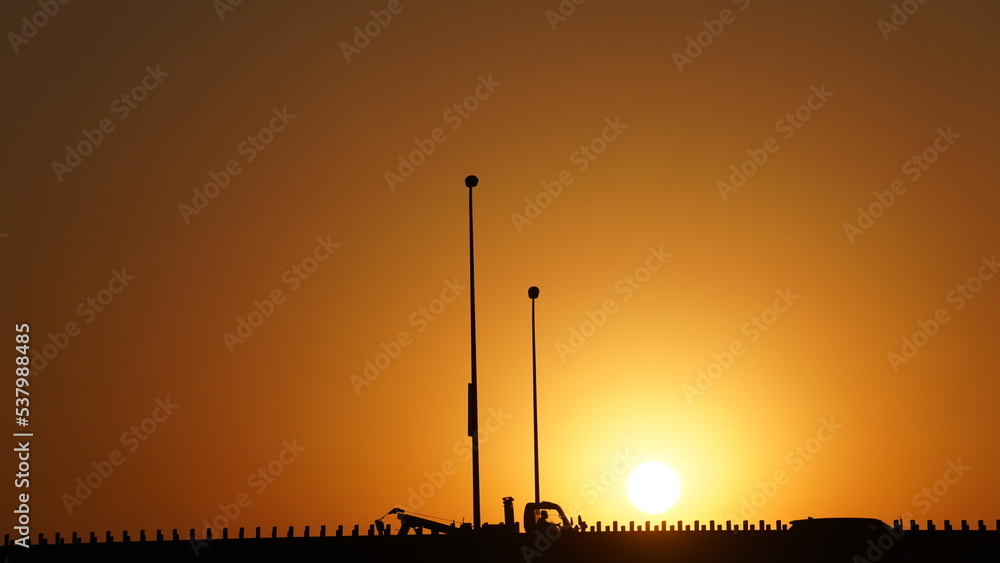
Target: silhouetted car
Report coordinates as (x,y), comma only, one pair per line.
(839,526)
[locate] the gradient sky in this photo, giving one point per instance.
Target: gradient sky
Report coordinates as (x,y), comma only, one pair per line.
(863,320)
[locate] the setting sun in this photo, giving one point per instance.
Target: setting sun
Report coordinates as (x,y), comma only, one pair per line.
(764,237)
(653,487)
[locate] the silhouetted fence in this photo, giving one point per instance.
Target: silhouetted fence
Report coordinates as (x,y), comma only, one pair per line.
(598,527)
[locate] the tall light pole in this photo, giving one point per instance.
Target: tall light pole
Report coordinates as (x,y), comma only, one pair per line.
(471,182)
(533,294)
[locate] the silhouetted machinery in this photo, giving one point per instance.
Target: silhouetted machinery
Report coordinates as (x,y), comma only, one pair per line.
(408,521)
(539,517)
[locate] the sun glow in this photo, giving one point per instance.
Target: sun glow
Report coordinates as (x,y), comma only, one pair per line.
(653,487)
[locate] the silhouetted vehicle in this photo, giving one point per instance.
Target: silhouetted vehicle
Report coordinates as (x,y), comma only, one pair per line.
(408,521)
(532,521)
(839,526)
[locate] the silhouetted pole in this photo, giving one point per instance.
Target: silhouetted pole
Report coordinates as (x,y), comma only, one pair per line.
(471,182)
(533,294)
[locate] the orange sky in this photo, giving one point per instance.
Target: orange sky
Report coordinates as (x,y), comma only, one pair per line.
(682,180)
